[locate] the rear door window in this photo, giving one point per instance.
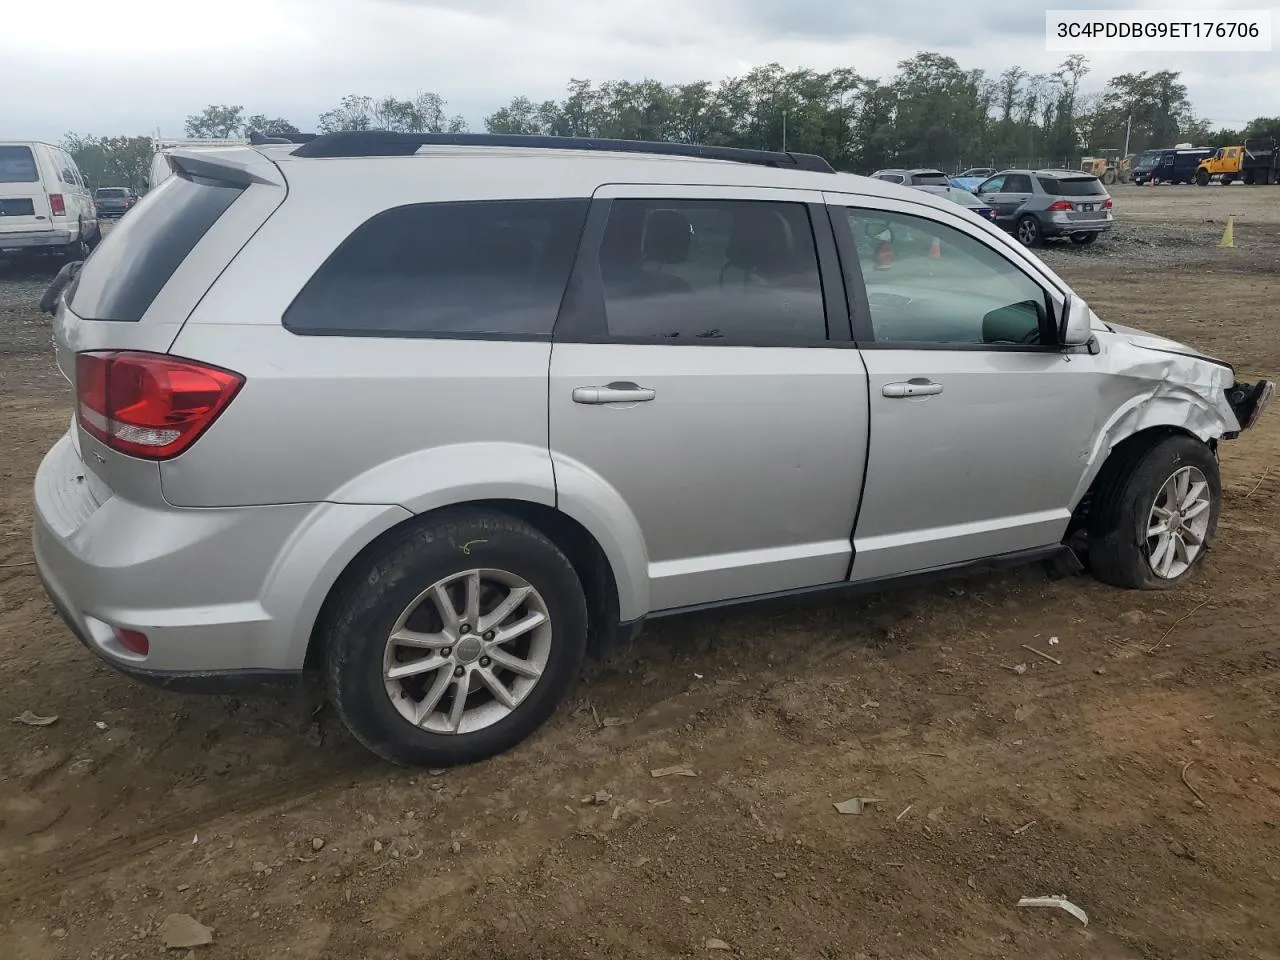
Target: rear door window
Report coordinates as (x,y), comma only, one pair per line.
(1017,183)
(473,269)
(18,165)
(137,258)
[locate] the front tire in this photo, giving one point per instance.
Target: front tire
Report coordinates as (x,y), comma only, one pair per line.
(456,641)
(1028,232)
(1155,515)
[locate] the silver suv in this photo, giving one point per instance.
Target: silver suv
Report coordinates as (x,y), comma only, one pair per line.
(1038,205)
(436,415)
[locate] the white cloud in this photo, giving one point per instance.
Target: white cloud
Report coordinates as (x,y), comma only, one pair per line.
(151,62)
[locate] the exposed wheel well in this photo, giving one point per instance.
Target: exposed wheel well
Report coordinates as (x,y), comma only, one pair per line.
(584,553)
(1121,456)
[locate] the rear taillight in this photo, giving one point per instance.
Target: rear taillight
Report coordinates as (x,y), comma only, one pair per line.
(1058,206)
(1106,204)
(57,205)
(149,405)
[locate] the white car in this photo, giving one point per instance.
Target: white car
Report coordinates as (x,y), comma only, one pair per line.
(45,204)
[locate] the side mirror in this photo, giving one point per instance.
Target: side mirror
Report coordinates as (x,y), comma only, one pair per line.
(1075,326)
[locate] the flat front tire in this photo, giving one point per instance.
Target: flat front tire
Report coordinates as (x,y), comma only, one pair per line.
(456,641)
(1155,515)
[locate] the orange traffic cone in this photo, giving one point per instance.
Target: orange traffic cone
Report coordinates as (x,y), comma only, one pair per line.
(883,255)
(935,249)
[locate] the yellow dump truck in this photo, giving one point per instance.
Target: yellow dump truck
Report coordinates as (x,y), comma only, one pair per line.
(1224,165)
(1257,160)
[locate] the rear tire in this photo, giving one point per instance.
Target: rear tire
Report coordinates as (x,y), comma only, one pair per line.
(1028,231)
(398,591)
(1132,492)
(1083,239)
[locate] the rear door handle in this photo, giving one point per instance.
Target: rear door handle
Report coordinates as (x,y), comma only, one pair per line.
(919,387)
(618,392)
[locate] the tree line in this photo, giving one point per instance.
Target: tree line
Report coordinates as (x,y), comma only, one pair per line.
(931,112)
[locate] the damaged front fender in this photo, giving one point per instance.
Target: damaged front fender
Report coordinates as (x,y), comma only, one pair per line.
(1150,382)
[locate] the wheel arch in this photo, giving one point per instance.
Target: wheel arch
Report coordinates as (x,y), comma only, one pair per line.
(1116,464)
(583,551)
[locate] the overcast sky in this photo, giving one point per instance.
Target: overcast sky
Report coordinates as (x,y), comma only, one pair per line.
(134,66)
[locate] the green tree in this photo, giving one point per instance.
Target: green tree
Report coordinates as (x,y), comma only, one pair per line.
(425,113)
(259,123)
(111,161)
(216,122)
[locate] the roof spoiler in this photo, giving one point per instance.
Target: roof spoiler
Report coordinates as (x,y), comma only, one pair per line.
(233,167)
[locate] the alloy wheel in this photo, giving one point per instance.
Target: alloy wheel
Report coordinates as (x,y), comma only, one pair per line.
(467,651)
(1178,523)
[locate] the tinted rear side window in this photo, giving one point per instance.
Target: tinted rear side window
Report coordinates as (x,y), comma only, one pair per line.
(138,257)
(1072,186)
(472,269)
(17,165)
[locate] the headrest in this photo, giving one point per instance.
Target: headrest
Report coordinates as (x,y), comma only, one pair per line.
(667,237)
(759,240)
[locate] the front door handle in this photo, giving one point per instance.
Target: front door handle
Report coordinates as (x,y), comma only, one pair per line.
(918,387)
(617,392)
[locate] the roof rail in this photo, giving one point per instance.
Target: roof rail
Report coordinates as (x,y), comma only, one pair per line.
(379,143)
(257,139)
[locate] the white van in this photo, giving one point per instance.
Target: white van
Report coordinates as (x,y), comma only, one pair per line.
(45,204)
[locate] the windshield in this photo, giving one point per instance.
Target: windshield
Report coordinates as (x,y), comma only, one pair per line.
(1149,159)
(17,165)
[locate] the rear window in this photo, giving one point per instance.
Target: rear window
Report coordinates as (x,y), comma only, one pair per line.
(18,165)
(137,258)
(472,269)
(1072,186)
(930,180)
(111,192)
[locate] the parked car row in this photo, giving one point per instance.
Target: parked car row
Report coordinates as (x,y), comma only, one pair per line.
(1033,205)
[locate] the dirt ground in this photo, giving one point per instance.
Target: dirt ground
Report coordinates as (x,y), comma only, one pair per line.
(1139,777)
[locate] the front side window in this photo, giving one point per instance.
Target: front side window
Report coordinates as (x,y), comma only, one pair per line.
(927,282)
(711,271)
(994,185)
(473,269)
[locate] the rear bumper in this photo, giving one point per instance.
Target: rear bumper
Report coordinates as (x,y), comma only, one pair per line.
(226,597)
(1057,225)
(37,239)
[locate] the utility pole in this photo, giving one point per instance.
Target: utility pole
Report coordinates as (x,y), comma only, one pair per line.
(1128,126)
(784,130)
